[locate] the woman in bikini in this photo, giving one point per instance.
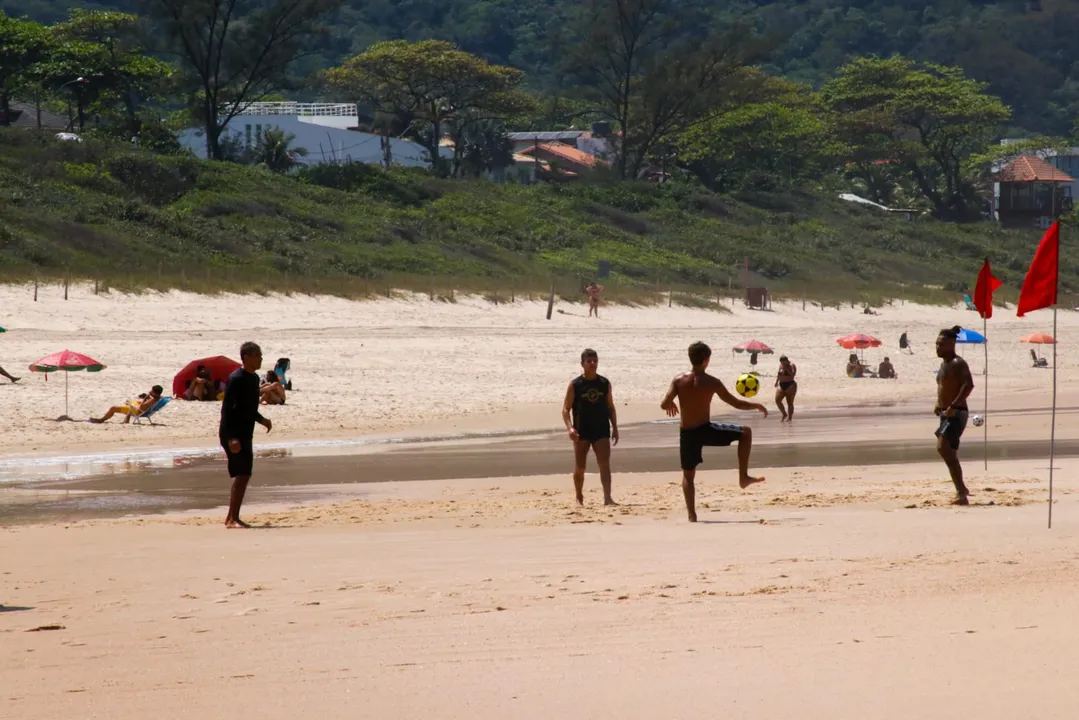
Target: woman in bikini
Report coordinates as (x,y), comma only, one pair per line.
(593,291)
(786,387)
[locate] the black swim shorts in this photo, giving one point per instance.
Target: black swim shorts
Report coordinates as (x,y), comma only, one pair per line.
(951,428)
(241,463)
(692,440)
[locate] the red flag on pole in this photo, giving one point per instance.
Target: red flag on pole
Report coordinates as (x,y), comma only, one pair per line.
(1040,285)
(983,291)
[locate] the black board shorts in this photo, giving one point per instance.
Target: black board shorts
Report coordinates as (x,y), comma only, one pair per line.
(951,428)
(692,440)
(241,463)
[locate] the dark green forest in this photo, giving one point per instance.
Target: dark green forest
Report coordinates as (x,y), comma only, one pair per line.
(1024,49)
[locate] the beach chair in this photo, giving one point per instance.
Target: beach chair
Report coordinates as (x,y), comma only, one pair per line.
(970,303)
(1039,362)
(148,416)
(280,369)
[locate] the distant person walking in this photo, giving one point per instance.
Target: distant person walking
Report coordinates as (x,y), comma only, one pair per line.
(904,344)
(239,413)
(593,291)
(592,423)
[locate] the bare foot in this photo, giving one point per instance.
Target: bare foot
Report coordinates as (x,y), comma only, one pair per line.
(96,421)
(783,419)
(610,502)
(580,500)
(15,380)
(961,500)
(232,524)
(748,480)
(693,516)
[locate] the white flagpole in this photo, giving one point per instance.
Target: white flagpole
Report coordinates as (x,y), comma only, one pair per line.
(1053,425)
(985,412)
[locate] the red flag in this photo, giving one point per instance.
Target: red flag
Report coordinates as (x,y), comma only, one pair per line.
(983,291)
(1040,285)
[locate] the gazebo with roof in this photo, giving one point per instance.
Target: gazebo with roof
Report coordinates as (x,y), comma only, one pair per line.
(1032,192)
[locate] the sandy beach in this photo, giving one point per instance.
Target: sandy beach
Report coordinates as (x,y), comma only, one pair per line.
(448,574)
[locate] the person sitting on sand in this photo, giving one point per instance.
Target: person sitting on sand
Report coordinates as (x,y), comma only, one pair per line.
(12,378)
(854,367)
(132,407)
(201,386)
(887,370)
(271,391)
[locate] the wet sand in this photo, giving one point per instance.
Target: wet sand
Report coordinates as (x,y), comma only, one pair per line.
(897,434)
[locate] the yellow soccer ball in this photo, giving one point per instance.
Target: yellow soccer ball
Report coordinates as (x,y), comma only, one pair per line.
(747,385)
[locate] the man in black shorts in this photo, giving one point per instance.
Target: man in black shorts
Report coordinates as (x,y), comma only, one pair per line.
(954,385)
(592,422)
(694,391)
(239,413)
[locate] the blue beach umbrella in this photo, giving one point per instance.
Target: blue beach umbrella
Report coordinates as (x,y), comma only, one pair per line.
(970,337)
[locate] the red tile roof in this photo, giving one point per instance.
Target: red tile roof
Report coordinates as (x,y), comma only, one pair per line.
(1031,168)
(564,151)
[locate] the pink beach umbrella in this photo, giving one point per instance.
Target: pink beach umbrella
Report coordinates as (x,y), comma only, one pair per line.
(753,346)
(69,362)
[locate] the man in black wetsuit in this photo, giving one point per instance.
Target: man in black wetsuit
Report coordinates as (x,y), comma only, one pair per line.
(591,422)
(239,413)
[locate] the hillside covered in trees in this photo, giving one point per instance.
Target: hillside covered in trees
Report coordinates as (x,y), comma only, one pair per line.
(1024,49)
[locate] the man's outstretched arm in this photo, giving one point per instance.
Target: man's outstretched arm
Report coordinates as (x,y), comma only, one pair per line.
(725,396)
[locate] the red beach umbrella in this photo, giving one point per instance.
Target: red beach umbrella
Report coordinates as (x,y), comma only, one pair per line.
(67,361)
(1038,339)
(859,341)
(753,346)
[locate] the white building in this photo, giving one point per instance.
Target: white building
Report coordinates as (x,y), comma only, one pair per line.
(326,130)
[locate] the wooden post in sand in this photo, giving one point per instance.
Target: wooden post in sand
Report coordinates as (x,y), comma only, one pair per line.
(550,302)
(65,288)
(35,289)
(670,297)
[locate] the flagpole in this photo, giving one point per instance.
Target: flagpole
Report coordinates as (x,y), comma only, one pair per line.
(985,412)
(1053,418)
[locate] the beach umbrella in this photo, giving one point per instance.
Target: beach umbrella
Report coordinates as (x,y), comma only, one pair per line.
(753,346)
(859,341)
(68,362)
(1038,339)
(970,337)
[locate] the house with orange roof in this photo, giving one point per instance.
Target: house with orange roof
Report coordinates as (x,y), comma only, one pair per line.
(562,158)
(1029,191)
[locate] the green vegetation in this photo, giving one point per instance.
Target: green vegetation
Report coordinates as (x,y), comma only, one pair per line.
(1025,50)
(103,211)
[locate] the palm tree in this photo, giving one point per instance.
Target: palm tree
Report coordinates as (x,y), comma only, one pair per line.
(275,153)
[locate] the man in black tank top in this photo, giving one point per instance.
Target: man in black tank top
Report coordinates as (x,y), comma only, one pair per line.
(591,422)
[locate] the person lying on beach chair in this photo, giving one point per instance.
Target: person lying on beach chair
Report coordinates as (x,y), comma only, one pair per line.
(132,407)
(271,391)
(1039,362)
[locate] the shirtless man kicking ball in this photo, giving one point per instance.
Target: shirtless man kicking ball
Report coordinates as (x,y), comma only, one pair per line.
(694,391)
